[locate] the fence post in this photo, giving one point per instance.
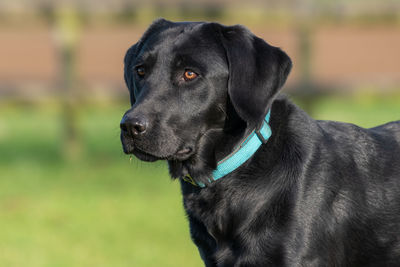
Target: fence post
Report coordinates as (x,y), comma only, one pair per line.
(67,26)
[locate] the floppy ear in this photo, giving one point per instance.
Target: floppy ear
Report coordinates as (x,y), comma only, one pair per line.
(128,70)
(257,71)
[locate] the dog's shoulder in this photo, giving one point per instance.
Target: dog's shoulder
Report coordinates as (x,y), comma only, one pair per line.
(391,129)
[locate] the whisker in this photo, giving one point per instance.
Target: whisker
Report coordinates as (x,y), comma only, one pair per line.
(222,110)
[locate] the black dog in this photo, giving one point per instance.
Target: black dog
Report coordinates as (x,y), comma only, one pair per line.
(313,193)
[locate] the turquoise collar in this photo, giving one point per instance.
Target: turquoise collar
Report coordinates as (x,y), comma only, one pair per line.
(240,154)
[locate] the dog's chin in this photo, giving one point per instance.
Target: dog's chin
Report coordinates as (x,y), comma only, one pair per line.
(144,156)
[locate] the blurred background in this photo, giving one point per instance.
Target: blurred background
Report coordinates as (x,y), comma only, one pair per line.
(68,194)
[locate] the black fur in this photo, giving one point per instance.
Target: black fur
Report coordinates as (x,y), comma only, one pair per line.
(318,193)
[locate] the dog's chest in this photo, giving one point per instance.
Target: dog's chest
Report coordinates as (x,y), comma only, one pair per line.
(229,229)
(223,215)
(210,209)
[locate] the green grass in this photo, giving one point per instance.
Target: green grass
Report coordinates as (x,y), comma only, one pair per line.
(99,209)
(366,110)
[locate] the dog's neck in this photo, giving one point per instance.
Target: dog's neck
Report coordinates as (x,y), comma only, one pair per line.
(221,151)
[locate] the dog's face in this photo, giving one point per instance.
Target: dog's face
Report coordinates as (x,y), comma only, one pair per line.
(183,76)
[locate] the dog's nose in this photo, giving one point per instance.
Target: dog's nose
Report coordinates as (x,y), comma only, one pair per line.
(135,126)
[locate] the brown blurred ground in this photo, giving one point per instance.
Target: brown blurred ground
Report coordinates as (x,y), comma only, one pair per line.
(343,55)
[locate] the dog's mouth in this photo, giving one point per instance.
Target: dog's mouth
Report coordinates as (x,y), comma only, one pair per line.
(142,155)
(146,151)
(180,155)
(184,153)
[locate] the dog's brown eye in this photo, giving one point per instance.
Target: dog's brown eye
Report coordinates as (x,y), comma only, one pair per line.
(189,75)
(140,71)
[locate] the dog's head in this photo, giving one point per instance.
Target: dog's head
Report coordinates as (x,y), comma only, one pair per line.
(187,79)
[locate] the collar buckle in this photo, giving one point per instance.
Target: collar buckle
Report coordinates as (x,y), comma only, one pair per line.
(260,135)
(189,179)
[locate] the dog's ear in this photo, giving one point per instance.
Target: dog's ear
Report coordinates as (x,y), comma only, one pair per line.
(128,71)
(257,71)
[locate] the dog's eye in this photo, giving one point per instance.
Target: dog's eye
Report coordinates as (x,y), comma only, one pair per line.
(189,75)
(140,71)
